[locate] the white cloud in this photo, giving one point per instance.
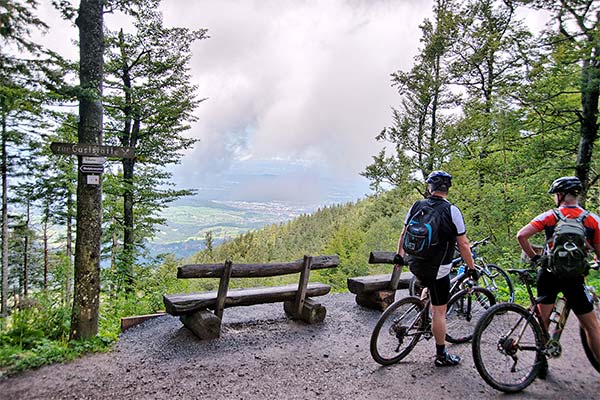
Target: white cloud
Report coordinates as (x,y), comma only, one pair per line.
(297,79)
(288,80)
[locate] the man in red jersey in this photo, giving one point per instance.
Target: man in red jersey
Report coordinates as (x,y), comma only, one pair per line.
(565,191)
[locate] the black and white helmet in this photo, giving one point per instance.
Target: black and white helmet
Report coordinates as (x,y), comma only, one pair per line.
(439,180)
(566,184)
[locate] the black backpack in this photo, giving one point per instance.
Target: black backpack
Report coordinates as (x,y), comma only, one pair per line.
(567,259)
(423,238)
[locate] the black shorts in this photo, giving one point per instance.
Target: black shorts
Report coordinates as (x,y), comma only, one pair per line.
(439,290)
(549,285)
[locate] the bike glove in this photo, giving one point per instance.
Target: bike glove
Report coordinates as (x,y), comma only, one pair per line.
(398,260)
(473,274)
(535,260)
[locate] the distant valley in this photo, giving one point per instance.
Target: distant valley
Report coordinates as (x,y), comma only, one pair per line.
(189,221)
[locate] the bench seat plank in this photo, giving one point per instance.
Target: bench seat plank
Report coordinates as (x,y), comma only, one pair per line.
(373,283)
(180,304)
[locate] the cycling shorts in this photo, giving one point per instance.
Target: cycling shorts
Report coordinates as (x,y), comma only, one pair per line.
(439,290)
(548,285)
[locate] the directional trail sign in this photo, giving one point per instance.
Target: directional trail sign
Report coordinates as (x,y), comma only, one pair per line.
(91,168)
(93,160)
(92,150)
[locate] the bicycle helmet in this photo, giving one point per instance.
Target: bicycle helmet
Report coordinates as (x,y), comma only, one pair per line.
(439,181)
(566,184)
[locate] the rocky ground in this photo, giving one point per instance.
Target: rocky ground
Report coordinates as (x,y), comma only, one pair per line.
(263,355)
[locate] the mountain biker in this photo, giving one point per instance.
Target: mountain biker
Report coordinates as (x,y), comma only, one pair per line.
(565,191)
(434,273)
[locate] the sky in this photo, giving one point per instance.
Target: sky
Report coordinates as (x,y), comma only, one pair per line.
(296,91)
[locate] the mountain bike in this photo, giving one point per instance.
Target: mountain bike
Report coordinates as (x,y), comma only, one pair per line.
(408,320)
(491,276)
(511,344)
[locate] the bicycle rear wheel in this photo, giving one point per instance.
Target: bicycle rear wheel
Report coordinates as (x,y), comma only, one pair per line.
(498,282)
(398,330)
(464,310)
(507,347)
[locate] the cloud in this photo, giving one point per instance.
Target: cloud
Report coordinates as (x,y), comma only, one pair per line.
(291,79)
(304,82)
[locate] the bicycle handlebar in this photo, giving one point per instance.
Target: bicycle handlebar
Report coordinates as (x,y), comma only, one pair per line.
(456,261)
(482,242)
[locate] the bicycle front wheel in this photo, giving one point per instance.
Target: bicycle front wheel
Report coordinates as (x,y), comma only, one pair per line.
(588,352)
(464,310)
(398,330)
(414,287)
(507,347)
(496,280)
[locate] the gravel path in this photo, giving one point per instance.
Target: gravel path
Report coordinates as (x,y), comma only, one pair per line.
(263,355)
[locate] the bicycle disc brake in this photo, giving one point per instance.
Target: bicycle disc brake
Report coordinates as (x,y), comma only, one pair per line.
(399,331)
(509,347)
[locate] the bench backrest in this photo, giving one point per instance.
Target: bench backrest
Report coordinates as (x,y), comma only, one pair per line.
(255,270)
(386,257)
(229,270)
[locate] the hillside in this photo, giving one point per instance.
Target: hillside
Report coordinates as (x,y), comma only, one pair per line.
(350,230)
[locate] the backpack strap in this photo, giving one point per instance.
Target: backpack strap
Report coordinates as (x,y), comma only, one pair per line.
(559,215)
(583,216)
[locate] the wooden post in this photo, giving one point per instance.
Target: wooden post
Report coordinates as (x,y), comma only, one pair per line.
(203,324)
(223,286)
(395,277)
(303,282)
(311,313)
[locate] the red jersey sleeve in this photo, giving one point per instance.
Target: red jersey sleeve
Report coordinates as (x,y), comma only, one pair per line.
(543,220)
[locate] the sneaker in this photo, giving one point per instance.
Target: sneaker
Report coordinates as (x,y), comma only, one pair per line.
(447,360)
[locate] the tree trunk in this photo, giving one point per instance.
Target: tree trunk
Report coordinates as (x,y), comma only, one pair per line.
(84,321)
(129,137)
(26,254)
(4,168)
(590,91)
(128,222)
(45,238)
(69,248)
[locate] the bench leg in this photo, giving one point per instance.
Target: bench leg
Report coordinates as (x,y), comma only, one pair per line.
(379,300)
(203,324)
(312,312)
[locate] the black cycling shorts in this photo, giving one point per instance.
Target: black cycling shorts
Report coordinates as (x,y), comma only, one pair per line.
(439,290)
(548,285)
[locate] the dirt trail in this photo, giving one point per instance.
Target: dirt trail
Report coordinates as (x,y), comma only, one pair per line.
(263,355)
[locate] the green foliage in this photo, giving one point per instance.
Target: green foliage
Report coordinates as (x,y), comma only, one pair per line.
(14,359)
(37,333)
(36,318)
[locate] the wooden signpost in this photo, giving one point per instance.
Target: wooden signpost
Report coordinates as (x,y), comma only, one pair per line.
(93,156)
(92,150)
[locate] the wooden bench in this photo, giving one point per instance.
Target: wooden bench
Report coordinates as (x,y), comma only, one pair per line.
(193,309)
(379,291)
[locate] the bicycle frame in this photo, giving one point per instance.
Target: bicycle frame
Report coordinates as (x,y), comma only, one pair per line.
(552,341)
